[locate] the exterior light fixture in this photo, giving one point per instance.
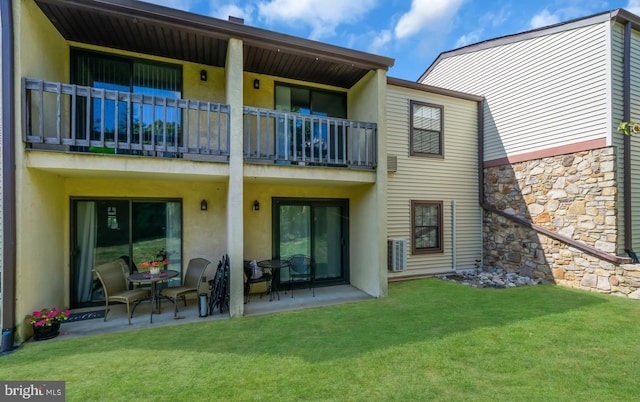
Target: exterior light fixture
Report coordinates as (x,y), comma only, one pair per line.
(256,205)
(203,75)
(203,205)
(256,84)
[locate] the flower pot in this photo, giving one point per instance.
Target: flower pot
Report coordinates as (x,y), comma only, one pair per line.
(45,332)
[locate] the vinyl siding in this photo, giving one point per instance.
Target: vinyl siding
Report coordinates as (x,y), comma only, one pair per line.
(635,144)
(617,59)
(540,93)
(617,97)
(454,178)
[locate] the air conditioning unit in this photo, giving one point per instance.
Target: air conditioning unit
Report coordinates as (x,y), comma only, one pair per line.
(396,255)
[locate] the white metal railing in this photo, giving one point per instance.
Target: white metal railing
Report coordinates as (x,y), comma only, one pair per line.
(88,119)
(294,138)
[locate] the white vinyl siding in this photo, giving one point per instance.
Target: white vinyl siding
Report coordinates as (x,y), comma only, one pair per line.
(540,93)
(452,178)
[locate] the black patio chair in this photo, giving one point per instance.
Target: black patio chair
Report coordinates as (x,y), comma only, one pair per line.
(301,270)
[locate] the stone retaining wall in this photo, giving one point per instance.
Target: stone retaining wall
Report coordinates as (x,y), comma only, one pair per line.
(573,195)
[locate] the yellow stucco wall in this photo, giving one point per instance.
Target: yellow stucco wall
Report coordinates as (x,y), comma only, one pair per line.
(44,193)
(41,246)
(44,234)
(41,51)
(258,239)
(40,242)
(265,96)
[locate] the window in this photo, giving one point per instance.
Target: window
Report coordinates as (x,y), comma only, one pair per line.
(103,230)
(426,129)
(426,227)
(105,71)
(311,101)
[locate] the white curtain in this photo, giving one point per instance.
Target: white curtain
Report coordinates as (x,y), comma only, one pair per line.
(87,230)
(173,233)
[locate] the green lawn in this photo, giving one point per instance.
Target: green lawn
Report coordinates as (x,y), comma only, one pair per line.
(429,340)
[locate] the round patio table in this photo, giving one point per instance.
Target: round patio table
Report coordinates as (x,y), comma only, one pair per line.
(275,266)
(146,277)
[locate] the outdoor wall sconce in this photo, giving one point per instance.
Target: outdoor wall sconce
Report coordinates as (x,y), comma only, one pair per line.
(203,205)
(203,75)
(256,205)
(256,84)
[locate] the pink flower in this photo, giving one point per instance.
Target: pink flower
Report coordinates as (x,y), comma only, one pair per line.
(46,317)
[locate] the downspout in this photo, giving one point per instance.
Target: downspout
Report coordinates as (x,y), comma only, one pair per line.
(454,223)
(626,116)
(481,174)
(8,179)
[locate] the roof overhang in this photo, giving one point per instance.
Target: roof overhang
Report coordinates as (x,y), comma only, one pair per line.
(161,31)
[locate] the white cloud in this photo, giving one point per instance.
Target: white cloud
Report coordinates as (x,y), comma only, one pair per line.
(232,10)
(633,6)
(495,19)
(426,14)
(379,41)
(322,16)
(469,38)
(544,18)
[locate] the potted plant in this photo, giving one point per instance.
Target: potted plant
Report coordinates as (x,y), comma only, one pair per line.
(155,264)
(46,322)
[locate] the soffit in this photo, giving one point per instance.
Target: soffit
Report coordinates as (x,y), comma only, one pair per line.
(160,31)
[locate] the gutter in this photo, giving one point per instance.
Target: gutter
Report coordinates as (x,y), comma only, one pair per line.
(8,179)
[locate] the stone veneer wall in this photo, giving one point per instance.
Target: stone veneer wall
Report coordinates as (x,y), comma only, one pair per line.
(573,195)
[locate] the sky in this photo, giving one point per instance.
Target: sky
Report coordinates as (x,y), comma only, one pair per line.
(413,32)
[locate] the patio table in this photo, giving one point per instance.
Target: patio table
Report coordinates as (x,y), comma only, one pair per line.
(146,277)
(275,266)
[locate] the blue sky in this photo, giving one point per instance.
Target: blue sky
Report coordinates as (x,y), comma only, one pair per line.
(413,32)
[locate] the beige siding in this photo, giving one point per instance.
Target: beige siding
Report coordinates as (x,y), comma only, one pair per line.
(542,92)
(618,138)
(617,71)
(635,143)
(454,178)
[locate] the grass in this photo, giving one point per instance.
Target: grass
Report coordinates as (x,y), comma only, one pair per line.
(429,340)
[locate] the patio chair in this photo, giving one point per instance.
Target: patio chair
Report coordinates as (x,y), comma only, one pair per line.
(254,275)
(116,289)
(301,270)
(192,279)
(220,286)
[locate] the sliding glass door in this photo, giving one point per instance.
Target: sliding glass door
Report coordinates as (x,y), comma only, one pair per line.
(315,228)
(104,230)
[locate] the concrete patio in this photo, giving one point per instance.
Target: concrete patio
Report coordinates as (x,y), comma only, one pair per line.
(117,317)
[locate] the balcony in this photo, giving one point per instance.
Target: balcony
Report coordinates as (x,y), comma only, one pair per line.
(73,118)
(307,140)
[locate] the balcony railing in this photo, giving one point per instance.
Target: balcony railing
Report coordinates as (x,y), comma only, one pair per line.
(77,118)
(73,118)
(302,139)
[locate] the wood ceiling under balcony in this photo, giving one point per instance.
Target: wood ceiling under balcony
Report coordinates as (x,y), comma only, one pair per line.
(155,30)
